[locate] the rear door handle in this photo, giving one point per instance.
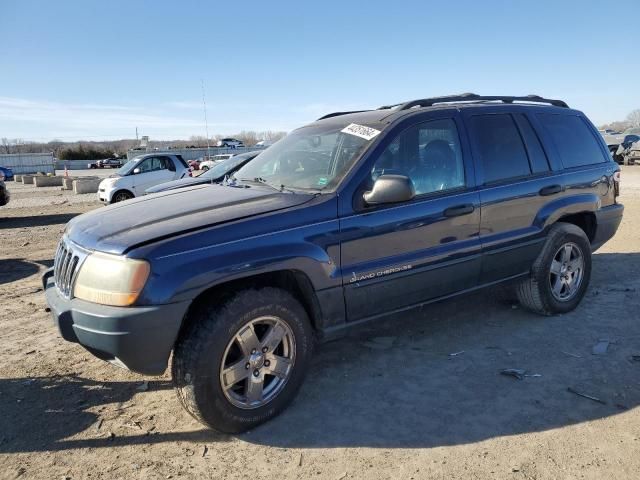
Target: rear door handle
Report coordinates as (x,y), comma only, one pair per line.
(550,190)
(458,210)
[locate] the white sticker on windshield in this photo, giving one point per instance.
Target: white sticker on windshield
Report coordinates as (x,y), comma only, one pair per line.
(361,131)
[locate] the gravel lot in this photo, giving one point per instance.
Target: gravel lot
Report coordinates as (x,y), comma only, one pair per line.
(390,402)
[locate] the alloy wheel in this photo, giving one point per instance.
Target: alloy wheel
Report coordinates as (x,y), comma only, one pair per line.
(567,271)
(257,362)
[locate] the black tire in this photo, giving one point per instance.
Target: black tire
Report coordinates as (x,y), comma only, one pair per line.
(203,343)
(205,168)
(121,196)
(535,292)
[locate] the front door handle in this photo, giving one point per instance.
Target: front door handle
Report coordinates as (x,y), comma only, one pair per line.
(550,190)
(458,210)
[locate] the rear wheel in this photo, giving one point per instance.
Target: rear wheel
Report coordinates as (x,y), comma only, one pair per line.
(561,273)
(241,363)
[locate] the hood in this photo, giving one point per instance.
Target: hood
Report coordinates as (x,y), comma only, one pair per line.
(182,182)
(122,226)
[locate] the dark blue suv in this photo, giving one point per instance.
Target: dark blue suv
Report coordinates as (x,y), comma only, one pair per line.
(355,216)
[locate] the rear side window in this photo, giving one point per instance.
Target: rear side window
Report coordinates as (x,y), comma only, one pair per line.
(537,157)
(167,164)
(573,139)
(499,144)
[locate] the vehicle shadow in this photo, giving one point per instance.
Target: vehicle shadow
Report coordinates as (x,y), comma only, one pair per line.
(13,269)
(36,220)
(421,379)
(39,414)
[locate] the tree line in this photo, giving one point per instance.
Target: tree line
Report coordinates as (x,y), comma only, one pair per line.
(96,150)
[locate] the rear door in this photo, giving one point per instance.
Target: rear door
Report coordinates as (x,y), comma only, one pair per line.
(399,255)
(515,181)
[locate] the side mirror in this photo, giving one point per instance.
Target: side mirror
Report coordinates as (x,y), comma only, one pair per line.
(390,189)
(136,171)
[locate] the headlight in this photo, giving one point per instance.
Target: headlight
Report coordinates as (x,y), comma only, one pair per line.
(111,279)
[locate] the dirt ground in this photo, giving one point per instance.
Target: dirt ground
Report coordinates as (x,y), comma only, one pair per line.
(416,396)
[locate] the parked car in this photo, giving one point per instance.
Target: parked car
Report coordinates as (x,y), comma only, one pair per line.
(229,142)
(629,150)
(140,173)
(264,143)
(348,219)
(216,174)
(107,163)
(4,193)
(7,173)
(207,164)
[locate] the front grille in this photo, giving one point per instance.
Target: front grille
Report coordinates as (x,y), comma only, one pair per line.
(66,265)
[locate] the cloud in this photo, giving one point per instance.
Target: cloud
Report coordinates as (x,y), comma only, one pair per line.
(186,105)
(42,120)
(24,118)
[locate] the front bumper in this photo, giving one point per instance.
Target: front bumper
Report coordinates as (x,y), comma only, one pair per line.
(138,338)
(607,222)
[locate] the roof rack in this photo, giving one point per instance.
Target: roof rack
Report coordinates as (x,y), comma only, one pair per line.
(337,114)
(472,97)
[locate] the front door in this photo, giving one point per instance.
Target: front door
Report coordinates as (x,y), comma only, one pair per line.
(400,255)
(153,171)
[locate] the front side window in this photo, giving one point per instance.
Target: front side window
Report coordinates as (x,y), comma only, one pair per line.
(310,158)
(428,153)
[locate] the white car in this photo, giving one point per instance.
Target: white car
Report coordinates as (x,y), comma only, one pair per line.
(229,142)
(140,173)
(207,164)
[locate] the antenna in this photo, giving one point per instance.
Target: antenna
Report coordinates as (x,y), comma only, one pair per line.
(206,123)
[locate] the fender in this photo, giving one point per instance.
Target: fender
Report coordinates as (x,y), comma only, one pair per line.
(567,205)
(312,249)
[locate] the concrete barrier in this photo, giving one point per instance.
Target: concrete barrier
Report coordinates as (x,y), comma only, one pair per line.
(86,185)
(45,181)
(67,183)
(17,178)
(27,179)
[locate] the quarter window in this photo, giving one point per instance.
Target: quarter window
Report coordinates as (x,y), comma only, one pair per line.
(428,153)
(499,144)
(573,139)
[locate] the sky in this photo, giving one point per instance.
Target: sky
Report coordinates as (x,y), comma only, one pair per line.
(96,70)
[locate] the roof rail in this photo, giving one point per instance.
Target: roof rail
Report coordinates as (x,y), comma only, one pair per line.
(337,114)
(471,97)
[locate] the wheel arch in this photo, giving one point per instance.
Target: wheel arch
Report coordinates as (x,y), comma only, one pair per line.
(120,190)
(296,282)
(578,210)
(586,221)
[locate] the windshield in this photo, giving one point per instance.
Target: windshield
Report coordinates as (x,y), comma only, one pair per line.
(127,167)
(310,158)
(221,169)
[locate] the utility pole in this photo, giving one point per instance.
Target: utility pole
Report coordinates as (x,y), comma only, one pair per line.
(136,134)
(206,124)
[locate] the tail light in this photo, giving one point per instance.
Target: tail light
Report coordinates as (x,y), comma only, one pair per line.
(616,183)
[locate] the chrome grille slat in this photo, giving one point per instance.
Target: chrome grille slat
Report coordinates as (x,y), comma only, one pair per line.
(66,265)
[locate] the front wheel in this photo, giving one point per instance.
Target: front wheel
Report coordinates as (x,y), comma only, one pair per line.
(560,275)
(121,196)
(239,364)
